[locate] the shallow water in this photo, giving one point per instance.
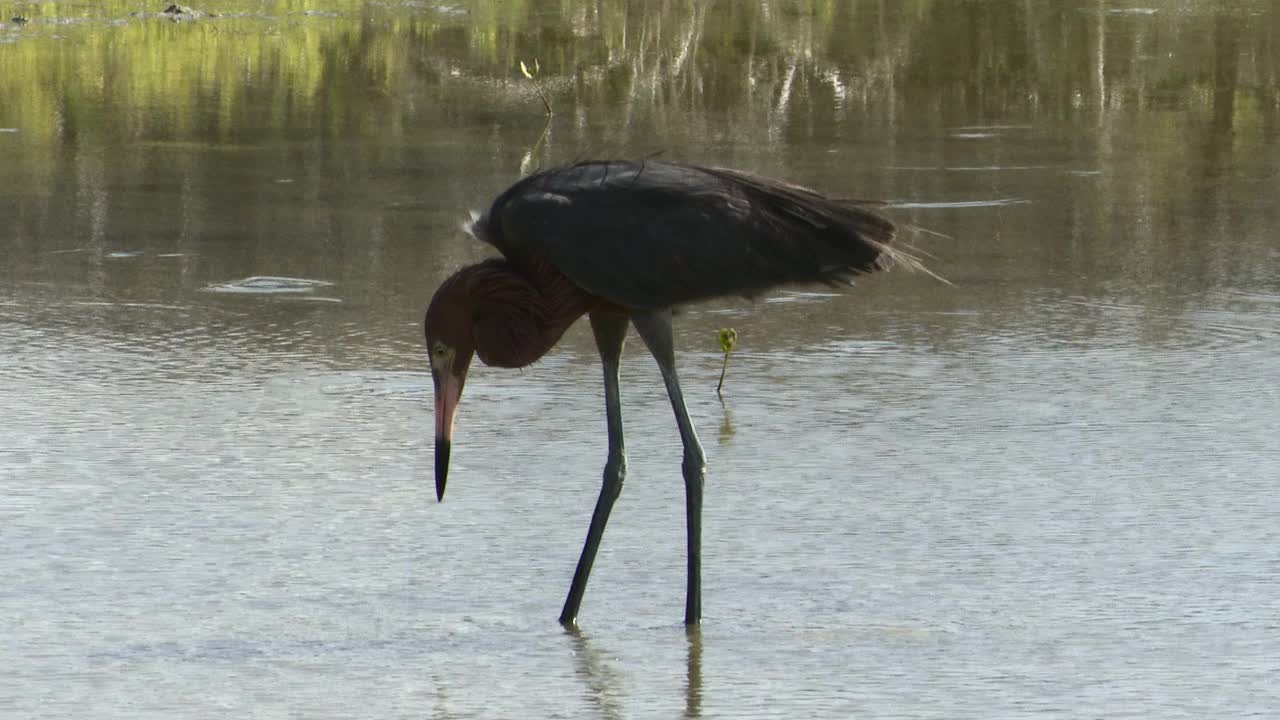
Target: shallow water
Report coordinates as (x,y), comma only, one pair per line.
(1046,488)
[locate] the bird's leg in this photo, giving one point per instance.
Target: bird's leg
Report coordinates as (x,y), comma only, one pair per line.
(655,329)
(611,333)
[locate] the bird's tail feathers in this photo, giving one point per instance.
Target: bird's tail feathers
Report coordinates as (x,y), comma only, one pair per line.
(813,209)
(882,235)
(871,229)
(909,258)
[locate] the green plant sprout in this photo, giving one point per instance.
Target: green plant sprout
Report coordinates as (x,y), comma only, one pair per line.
(728,341)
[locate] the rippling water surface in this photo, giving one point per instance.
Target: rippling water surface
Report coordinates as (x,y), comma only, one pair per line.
(1047,488)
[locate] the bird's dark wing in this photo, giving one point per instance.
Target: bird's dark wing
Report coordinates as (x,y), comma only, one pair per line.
(650,234)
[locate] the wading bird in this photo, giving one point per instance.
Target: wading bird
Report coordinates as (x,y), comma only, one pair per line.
(623,243)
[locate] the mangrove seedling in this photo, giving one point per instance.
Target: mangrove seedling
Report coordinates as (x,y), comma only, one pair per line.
(533,78)
(728,340)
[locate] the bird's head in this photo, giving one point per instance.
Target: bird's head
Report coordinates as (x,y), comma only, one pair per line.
(450,347)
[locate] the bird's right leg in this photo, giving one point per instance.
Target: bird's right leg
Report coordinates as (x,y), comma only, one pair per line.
(611,333)
(654,327)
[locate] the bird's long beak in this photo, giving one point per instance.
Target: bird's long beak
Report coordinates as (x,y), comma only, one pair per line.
(448,392)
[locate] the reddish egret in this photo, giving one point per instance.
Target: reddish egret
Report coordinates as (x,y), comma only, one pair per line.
(624,242)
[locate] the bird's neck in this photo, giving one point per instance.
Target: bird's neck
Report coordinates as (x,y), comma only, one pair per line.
(520,314)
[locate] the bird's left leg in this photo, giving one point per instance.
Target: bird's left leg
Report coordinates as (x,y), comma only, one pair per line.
(655,329)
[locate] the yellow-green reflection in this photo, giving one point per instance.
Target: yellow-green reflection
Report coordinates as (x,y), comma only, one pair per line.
(754,69)
(348,92)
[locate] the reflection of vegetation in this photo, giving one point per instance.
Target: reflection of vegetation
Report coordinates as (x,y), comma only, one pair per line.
(758,70)
(345,88)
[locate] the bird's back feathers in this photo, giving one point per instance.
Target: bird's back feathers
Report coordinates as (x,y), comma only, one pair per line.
(653,234)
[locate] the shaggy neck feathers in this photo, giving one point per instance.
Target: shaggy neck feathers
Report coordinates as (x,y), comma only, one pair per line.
(517,316)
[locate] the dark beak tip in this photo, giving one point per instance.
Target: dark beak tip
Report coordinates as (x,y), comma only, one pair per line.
(442,466)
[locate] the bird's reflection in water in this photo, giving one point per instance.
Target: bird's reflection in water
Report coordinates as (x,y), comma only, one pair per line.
(441,710)
(693,686)
(604,682)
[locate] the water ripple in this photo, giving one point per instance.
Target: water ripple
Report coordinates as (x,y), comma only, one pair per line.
(269,285)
